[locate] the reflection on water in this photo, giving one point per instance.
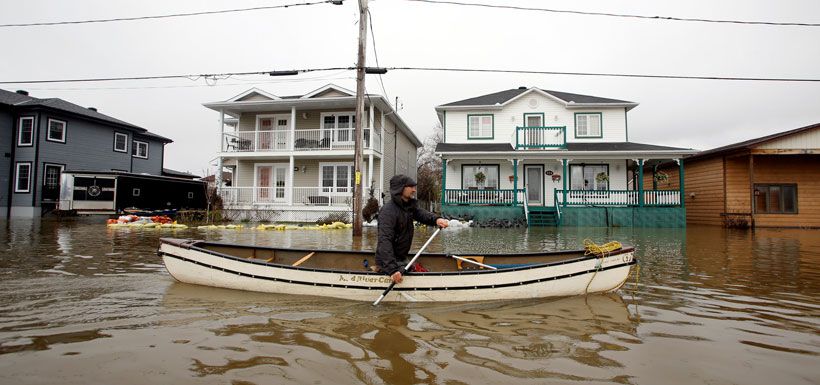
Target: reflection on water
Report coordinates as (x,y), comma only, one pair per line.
(82,303)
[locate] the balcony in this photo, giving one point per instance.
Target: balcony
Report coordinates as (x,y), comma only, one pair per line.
(540,138)
(302,140)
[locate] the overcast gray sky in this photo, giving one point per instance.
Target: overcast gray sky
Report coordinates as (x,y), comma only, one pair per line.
(700,114)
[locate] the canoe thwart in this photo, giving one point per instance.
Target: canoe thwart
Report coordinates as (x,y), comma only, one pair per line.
(305,258)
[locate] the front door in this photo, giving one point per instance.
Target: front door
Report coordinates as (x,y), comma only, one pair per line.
(270,183)
(51,182)
(272,132)
(534,180)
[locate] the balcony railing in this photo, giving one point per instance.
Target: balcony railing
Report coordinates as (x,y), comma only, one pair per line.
(303,140)
(291,196)
(540,137)
(619,198)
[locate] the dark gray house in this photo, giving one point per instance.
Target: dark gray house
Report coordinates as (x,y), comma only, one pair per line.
(43,137)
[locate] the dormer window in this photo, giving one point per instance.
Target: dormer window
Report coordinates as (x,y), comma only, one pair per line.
(480,126)
(588,125)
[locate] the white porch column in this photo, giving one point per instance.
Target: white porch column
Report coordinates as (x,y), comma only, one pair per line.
(289,184)
(370,119)
(381,161)
(292,132)
(370,168)
(218,175)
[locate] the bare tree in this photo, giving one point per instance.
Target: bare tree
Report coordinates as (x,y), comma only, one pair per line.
(429,168)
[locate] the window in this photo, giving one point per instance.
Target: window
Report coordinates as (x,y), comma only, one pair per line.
(480,126)
(589,177)
(56,131)
(336,178)
(139,149)
(775,199)
(22,178)
(25,131)
(479,176)
(588,125)
(339,127)
(120,142)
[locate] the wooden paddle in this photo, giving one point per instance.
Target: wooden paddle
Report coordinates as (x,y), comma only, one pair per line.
(403,270)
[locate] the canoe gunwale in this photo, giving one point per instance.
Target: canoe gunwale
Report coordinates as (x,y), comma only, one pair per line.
(401,289)
(193,245)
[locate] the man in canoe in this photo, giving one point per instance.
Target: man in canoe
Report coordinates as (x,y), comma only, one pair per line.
(396,226)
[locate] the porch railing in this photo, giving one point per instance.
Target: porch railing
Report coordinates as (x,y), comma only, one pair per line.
(303,140)
(540,137)
(480,197)
(618,198)
(502,197)
(291,196)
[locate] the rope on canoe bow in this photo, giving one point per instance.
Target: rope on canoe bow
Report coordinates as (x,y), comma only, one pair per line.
(591,248)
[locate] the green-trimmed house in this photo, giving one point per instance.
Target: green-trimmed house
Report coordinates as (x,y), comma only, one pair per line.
(556,158)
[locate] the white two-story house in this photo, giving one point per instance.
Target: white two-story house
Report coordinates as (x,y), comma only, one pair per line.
(554,157)
(292,156)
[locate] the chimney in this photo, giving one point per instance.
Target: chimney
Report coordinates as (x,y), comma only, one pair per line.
(22,92)
(93,109)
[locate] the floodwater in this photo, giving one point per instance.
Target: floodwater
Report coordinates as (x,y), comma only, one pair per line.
(84,304)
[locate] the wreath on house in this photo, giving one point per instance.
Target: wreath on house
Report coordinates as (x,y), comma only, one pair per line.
(661,177)
(480,178)
(602,177)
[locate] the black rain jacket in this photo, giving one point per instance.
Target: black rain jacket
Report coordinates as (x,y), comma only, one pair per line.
(396,227)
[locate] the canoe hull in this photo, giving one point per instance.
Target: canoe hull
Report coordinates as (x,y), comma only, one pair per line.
(573,277)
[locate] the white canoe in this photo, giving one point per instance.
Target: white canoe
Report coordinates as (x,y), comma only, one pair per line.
(345,274)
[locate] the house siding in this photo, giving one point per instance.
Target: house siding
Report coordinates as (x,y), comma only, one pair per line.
(802,170)
(613,120)
(803,140)
(7,126)
(152,165)
(703,183)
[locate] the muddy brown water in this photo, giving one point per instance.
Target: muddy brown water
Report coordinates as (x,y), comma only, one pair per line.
(81,304)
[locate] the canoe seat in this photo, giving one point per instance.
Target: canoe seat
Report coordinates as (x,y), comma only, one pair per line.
(479,259)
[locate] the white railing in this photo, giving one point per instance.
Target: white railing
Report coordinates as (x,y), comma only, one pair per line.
(479,197)
(304,140)
(618,198)
(291,196)
(539,137)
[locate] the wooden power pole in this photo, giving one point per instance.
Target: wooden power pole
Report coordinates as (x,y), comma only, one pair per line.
(359,133)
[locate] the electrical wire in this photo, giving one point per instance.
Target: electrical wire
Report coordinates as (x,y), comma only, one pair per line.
(164,16)
(586,13)
(435,69)
(375,53)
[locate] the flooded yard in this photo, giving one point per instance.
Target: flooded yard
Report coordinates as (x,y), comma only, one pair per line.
(82,303)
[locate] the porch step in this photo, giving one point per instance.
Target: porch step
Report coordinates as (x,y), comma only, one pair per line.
(542,216)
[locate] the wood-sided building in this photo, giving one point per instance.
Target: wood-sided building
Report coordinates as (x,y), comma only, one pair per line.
(772,181)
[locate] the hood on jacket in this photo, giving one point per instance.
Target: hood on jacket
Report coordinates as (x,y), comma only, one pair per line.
(397,185)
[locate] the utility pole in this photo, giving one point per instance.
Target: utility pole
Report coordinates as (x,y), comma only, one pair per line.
(359,133)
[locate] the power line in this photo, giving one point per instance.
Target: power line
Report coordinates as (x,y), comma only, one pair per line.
(337,2)
(735,78)
(661,18)
(375,53)
(225,75)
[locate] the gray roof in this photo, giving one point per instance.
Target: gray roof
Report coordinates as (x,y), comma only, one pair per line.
(504,96)
(178,174)
(605,146)
(473,147)
(620,146)
(12,98)
(23,101)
